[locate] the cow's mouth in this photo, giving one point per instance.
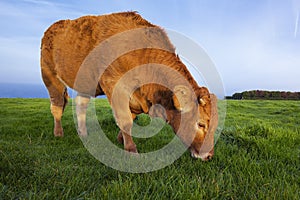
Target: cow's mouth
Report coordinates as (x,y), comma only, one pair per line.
(205,156)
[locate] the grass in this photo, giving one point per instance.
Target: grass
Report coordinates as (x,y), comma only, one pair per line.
(256,157)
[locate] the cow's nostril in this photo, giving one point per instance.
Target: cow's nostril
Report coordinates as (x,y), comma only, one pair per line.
(208,157)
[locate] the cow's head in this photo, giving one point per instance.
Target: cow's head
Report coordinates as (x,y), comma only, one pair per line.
(198,112)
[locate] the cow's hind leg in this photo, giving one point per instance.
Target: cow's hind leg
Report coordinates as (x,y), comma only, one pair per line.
(58,98)
(81,107)
(57,112)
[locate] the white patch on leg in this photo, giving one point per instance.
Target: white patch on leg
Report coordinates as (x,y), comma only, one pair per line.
(80,100)
(56,112)
(81,107)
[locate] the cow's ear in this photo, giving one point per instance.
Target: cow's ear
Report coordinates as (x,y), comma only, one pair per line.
(182,98)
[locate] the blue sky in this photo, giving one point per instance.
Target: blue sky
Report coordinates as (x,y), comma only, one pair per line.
(254,44)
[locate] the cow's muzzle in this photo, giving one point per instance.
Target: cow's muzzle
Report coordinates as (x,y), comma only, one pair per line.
(205,156)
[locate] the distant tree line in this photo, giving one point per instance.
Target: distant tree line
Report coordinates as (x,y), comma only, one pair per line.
(267,95)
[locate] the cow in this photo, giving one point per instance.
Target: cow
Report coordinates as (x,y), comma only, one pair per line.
(67,44)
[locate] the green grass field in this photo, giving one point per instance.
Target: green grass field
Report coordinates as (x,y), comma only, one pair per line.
(256,157)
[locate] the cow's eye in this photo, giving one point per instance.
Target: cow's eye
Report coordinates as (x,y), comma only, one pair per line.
(201,125)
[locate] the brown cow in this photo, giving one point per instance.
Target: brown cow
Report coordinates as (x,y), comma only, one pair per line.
(67,44)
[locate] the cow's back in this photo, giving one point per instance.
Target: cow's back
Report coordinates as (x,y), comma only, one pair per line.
(66,43)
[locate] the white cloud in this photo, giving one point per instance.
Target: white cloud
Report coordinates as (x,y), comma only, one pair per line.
(40,2)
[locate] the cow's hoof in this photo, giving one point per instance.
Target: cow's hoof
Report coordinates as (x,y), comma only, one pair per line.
(131,149)
(82,134)
(58,132)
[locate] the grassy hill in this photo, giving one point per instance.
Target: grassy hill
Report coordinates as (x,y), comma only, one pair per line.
(256,157)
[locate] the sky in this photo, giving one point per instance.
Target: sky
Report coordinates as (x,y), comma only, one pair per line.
(253,44)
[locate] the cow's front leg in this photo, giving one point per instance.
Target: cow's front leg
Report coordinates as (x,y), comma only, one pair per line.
(129,144)
(120,135)
(126,139)
(125,120)
(81,107)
